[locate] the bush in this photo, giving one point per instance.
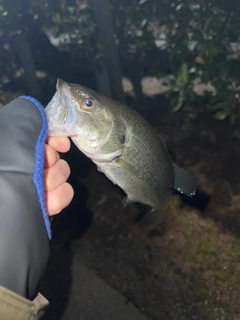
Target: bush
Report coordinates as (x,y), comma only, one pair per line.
(194,43)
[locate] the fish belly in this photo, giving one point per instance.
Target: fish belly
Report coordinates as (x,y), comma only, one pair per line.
(136,188)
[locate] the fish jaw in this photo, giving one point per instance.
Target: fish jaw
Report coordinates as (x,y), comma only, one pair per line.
(90,130)
(60,112)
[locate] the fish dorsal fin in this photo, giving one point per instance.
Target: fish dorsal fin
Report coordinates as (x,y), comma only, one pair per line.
(184,181)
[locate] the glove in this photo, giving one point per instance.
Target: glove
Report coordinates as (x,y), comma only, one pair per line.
(24,223)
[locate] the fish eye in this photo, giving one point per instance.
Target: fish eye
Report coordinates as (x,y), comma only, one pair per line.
(89,104)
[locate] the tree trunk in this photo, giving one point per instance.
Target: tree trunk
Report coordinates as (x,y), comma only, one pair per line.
(110,61)
(22,48)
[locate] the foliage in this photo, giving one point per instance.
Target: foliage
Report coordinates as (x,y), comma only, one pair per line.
(201,40)
(8,62)
(202,47)
(190,41)
(69,24)
(72,22)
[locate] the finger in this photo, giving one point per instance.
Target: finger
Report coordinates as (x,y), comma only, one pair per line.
(61,144)
(59,198)
(56,175)
(50,156)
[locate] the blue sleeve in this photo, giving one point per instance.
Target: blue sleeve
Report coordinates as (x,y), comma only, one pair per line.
(39,161)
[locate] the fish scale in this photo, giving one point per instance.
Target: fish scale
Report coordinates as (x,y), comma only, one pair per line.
(121,143)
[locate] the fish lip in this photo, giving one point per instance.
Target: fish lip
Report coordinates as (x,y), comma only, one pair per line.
(57,110)
(62,100)
(62,90)
(60,85)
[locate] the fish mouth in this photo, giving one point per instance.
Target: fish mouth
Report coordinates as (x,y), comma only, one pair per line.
(62,99)
(58,110)
(60,83)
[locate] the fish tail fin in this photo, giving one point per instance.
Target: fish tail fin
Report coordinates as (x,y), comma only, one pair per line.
(184,182)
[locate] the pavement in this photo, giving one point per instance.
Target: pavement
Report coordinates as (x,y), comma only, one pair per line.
(93,299)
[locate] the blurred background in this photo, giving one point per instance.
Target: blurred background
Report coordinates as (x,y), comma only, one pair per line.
(186,51)
(177,63)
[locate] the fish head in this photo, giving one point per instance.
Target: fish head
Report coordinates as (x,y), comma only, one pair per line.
(74,111)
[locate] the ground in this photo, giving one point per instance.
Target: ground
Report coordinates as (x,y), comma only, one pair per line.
(187,267)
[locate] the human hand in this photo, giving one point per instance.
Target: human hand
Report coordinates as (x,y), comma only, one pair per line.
(33,186)
(58,193)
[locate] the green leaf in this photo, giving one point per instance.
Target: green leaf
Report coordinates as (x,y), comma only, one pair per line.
(178,105)
(183,73)
(222,115)
(57,18)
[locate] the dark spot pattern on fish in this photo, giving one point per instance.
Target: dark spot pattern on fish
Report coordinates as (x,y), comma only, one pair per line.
(121,143)
(123,139)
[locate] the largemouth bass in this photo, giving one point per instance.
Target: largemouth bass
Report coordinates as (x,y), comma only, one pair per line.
(121,143)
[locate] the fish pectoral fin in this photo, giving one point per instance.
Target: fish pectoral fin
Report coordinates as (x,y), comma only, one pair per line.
(99,169)
(151,218)
(127,201)
(184,182)
(127,167)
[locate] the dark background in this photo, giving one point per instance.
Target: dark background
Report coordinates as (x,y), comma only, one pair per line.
(182,59)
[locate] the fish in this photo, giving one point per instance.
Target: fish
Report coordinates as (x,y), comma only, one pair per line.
(121,143)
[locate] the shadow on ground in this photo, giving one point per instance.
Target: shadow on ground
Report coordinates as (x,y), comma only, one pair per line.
(70,225)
